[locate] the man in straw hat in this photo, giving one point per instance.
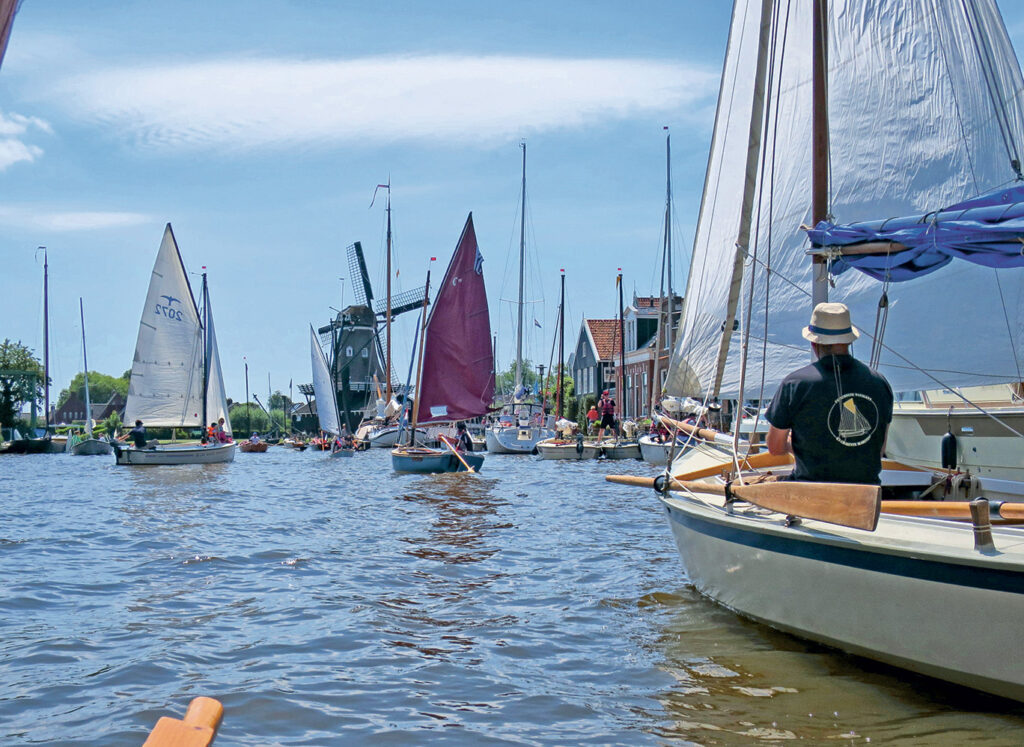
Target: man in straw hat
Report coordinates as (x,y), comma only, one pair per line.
(833,414)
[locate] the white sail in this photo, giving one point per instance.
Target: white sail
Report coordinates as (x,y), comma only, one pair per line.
(323,389)
(916,95)
(166,388)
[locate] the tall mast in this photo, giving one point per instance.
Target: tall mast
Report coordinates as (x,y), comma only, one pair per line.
(819,140)
(206,347)
(619,393)
(561,348)
(387,398)
(419,366)
(85,363)
(46,339)
(668,233)
(522,257)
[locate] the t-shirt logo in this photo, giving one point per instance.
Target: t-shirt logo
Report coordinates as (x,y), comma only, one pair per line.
(852,419)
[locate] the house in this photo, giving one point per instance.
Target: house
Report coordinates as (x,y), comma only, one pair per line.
(596,358)
(593,367)
(73,409)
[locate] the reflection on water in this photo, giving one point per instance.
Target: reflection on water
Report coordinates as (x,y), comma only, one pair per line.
(328,601)
(736,680)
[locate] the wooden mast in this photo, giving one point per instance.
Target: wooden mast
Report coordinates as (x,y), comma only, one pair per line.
(819,141)
(419,365)
(561,349)
(387,374)
(620,393)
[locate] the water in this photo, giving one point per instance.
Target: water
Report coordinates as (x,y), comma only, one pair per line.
(332,601)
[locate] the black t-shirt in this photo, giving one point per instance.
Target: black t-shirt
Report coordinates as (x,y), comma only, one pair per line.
(838,410)
(138,434)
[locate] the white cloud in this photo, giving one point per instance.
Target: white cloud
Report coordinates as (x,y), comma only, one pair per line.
(252,103)
(13,149)
(32,218)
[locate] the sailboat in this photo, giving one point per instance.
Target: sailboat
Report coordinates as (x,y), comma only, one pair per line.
(565,445)
(87,446)
(326,400)
(520,429)
(454,382)
(923,113)
(176,379)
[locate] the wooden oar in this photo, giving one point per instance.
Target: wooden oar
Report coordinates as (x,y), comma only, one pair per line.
(457,454)
(197,729)
(754,461)
(848,505)
(953,509)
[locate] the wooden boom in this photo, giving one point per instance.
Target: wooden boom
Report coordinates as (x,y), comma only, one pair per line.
(846,504)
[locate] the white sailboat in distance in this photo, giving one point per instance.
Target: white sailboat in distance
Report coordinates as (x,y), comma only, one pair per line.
(176,379)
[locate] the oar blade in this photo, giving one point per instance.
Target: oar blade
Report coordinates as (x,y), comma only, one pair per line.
(845,504)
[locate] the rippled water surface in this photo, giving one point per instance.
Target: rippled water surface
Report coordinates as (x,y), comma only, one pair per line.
(333,601)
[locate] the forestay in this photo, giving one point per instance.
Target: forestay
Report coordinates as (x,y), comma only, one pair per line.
(323,388)
(166,388)
(924,112)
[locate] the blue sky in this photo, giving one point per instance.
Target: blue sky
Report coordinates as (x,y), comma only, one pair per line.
(260,129)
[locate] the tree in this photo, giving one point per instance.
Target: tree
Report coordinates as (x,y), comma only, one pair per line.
(21,380)
(506,380)
(101,387)
(279,401)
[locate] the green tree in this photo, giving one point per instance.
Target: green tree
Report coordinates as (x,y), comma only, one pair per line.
(101,387)
(21,380)
(246,418)
(279,401)
(505,381)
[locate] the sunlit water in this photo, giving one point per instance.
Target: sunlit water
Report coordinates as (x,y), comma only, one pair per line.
(332,601)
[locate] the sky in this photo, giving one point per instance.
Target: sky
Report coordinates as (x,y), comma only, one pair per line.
(260,130)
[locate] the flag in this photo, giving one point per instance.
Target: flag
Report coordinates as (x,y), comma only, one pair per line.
(537,324)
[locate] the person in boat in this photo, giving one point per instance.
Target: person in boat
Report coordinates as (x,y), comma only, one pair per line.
(833,414)
(221,434)
(254,438)
(592,418)
(348,441)
(462,440)
(606,407)
(138,435)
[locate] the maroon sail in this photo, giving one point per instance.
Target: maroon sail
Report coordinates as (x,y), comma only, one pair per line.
(458,362)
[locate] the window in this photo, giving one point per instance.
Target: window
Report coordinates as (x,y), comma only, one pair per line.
(348,352)
(366,353)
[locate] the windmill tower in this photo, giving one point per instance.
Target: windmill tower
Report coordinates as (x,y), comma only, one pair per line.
(353,339)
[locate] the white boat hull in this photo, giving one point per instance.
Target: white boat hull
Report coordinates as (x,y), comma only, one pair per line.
(387,438)
(621,450)
(176,455)
(984,447)
(515,440)
(914,593)
(91,447)
(552,449)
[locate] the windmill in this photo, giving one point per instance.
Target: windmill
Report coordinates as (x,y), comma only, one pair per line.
(354,339)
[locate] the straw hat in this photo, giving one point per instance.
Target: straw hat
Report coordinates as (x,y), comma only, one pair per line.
(830,325)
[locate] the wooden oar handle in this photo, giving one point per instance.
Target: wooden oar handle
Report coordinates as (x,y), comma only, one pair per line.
(197,729)
(951,509)
(650,482)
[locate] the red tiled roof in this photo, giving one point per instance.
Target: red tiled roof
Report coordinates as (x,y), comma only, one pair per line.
(605,333)
(646,302)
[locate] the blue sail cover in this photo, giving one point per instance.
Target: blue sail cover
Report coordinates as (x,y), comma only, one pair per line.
(986,230)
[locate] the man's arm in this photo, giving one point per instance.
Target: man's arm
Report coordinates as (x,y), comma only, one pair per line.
(779,441)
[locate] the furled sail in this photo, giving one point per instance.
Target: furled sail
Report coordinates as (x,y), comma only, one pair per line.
(166,387)
(323,388)
(924,112)
(216,396)
(458,363)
